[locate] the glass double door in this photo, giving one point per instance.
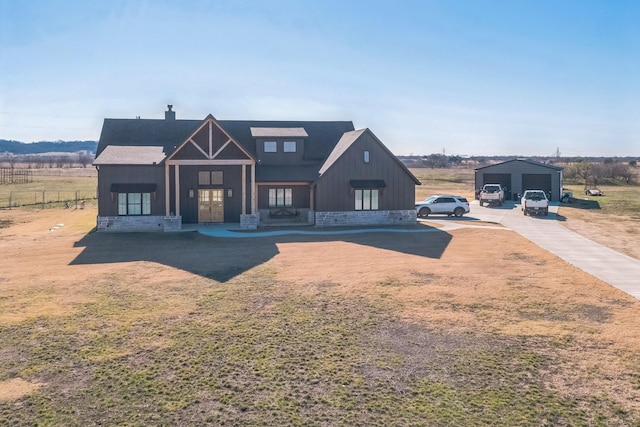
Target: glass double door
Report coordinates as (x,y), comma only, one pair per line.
(210,205)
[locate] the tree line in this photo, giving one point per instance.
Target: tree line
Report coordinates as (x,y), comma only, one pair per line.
(596,173)
(51,160)
(17,147)
(591,171)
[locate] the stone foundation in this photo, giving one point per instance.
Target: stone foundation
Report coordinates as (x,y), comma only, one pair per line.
(139,223)
(249,221)
(350,218)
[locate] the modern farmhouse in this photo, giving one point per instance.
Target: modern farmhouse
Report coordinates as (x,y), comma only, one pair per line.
(160,174)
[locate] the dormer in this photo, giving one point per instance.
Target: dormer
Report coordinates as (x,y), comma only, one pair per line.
(279,146)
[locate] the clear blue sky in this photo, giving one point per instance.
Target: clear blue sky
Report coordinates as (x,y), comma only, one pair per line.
(476,77)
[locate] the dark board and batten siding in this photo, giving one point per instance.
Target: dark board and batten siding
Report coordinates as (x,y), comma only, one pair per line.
(399,193)
(115,174)
(232,179)
(300,195)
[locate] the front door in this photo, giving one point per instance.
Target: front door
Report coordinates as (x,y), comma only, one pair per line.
(210,205)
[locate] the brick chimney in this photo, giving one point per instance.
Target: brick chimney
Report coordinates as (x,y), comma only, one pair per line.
(169,114)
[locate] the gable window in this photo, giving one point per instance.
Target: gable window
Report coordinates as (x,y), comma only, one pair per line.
(270,146)
(280,197)
(366,156)
(366,199)
(134,203)
(289,146)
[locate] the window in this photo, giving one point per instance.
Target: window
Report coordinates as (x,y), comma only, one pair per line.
(366,199)
(445,200)
(204,178)
(280,197)
(366,156)
(216,178)
(270,146)
(134,203)
(210,178)
(289,146)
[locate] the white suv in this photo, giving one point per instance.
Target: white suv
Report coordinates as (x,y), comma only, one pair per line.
(442,204)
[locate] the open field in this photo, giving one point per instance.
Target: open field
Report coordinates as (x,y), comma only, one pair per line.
(435,329)
(56,188)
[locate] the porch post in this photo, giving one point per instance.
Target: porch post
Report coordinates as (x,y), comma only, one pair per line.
(166,189)
(244,189)
(177,180)
(254,190)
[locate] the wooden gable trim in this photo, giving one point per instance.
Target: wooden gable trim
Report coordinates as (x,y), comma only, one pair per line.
(210,162)
(217,153)
(204,153)
(187,141)
(246,153)
(210,121)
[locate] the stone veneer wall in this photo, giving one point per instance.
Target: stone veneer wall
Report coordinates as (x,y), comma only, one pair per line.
(328,219)
(139,223)
(249,221)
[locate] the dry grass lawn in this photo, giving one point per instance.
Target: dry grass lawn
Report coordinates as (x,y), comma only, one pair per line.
(425,328)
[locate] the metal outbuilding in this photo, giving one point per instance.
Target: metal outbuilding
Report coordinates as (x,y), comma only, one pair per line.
(518,175)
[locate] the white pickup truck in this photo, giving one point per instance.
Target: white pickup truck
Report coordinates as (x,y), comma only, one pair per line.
(535,202)
(491,193)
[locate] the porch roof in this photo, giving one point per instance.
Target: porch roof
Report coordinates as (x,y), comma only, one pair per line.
(130,155)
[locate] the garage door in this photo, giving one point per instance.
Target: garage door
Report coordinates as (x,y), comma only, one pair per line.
(540,181)
(504,179)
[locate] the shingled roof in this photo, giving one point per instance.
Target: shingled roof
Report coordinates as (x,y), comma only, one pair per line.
(169,134)
(130,155)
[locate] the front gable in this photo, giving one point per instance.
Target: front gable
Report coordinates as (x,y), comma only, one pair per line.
(210,142)
(349,154)
(361,161)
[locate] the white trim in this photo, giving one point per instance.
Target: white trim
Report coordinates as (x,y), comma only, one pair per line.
(167,193)
(254,190)
(293,184)
(209,119)
(221,148)
(210,139)
(177,181)
(244,189)
(199,148)
(210,162)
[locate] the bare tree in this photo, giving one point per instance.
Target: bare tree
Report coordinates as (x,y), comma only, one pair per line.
(583,170)
(85,158)
(12,159)
(60,161)
(627,174)
(599,171)
(436,161)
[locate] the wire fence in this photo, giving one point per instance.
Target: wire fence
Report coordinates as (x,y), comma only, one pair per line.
(48,199)
(15,176)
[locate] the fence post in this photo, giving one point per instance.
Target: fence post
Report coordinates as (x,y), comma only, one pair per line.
(76,200)
(10,197)
(43,191)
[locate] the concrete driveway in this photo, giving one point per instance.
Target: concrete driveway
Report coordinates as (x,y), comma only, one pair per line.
(617,269)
